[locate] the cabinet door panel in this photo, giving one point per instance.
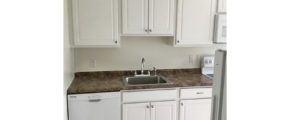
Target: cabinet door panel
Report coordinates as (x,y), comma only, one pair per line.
(222,6)
(195,22)
(199,109)
(138,111)
(95,22)
(163,110)
(161,16)
(135,16)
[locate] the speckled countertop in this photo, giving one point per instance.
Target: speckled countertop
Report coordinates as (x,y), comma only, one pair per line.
(110,81)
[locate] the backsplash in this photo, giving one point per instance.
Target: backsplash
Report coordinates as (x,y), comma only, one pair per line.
(157,51)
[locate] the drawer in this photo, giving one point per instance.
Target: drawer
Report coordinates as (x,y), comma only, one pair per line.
(196,93)
(154,95)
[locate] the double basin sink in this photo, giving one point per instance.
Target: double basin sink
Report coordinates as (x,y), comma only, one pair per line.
(145,80)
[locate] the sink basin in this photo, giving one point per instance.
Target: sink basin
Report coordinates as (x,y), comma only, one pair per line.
(145,80)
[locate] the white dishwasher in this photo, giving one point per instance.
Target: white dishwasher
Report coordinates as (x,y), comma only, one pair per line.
(95,106)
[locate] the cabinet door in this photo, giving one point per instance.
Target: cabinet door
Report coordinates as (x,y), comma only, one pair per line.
(163,110)
(161,17)
(222,6)
(135,16)
(199,109)
(195,22)
(95,22)
(138,111)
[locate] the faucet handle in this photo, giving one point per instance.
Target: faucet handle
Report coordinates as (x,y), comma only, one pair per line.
(135,72)
(155,70)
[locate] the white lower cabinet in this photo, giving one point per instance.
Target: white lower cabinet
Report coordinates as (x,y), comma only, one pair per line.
(172,104)
(198,109)
(163,110)
(136,111)
(150,111)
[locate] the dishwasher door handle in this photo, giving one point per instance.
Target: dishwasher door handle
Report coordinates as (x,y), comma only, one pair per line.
(95,100)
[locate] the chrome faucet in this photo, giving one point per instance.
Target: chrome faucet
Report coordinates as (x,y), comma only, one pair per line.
(142,66)
(142,69)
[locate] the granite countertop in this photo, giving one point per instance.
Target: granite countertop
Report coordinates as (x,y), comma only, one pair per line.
(110,81)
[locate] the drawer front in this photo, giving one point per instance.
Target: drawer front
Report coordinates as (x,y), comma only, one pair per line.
(149,95)
(196,93)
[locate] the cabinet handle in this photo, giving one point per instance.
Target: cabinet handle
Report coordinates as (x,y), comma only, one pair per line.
(147,106)
(199,92)
(177,41)
(146,30)
(95,100)
(150,30)
(116,41)
(152,106)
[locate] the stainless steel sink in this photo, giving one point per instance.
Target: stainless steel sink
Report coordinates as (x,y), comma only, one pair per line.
(145,80)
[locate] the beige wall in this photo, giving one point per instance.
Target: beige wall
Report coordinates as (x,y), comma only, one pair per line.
(68,52)
(156,50)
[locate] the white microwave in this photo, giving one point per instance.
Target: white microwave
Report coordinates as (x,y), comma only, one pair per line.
(220,28)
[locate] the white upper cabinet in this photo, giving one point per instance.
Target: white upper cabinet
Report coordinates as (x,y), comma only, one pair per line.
(161,17)
(195,20)
(95,22)
(148,17)
(135,20)
(222,6)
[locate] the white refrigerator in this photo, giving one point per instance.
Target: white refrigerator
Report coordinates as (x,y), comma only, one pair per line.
(219,86)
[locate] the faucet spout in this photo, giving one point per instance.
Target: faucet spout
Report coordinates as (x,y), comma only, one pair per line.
(142,69)
(142,65)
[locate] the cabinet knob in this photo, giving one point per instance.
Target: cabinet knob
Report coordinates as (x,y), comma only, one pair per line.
(152,106)
(147,106)
(177,41)
(116,41)
(181,104)
(150,30)
(146,30)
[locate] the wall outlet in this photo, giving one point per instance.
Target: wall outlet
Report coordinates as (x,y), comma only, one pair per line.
(93,63)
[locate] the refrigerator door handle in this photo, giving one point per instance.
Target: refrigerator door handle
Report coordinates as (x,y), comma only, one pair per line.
(213,108)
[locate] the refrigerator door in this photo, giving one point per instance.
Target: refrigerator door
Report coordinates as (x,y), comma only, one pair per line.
(219,86)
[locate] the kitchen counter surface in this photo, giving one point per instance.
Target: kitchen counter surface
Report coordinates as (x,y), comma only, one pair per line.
(110,81)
